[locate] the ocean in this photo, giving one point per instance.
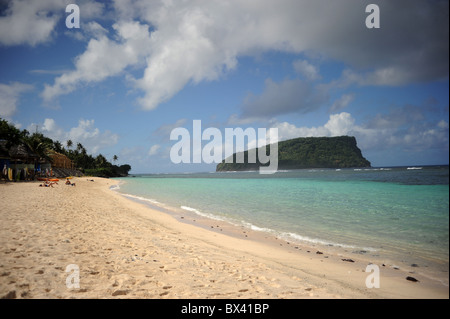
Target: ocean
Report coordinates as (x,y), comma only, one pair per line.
(394,213)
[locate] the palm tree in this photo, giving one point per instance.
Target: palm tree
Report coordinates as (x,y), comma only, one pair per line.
(100,161)
(69,143)
(40,145)
(115,158)
(58,147)
(11,134)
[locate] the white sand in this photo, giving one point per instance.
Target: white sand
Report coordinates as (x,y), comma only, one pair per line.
(124,249)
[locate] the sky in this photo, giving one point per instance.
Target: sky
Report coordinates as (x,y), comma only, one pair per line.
(135,70)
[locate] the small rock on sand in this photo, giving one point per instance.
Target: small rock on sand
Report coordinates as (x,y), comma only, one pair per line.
(348,260)
(411,279)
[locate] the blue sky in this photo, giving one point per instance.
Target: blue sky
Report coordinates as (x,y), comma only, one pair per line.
(135,70)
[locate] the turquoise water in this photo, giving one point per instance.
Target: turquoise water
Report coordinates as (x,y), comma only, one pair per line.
(398,212)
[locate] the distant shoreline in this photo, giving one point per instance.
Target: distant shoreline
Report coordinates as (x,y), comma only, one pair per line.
(131,174)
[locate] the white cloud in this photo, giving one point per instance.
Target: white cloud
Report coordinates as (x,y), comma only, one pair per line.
(376,134)
(288,131)
(50,127)
(443,125)
(85,133)
(30,22)
(192,42)
(95,30)
(89,30)
(154,150)
(90,9)
(9,97)
(342,102)
(340,124)
(337,125)
(34,22)
(91,136)
(103,58)
(306,69)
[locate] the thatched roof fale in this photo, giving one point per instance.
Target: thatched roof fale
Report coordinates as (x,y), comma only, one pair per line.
(19,152)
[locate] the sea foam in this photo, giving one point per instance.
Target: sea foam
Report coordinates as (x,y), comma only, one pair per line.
(155,202)
(196,211)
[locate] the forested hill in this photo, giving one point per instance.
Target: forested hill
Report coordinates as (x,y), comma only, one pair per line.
(308,152)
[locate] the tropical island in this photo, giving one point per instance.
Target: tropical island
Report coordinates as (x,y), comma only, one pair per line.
(307,152)
(25,156)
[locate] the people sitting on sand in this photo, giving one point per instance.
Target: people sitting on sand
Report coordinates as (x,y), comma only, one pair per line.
(69,183)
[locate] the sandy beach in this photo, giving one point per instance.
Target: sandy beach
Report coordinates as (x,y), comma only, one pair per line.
(124,249)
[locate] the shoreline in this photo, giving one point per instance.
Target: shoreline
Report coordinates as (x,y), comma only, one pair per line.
(432,268)
(125,249)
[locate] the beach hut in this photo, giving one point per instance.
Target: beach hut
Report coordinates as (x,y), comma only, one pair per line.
(5,159)
(61,161)
(17,162)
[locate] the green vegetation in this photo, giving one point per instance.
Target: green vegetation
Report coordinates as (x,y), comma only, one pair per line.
(308,152)
(43,147)
(112,171)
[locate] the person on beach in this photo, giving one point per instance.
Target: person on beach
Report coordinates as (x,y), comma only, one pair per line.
(47,184)
(69,183)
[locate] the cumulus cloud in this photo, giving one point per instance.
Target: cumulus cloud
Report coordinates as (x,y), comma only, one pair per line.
(33,22)
(85,133)
(407,130)
(337,125)
(90,9)
(340,124)
(88,31)
(9,97)
(192,42)
(30,22)
(103,58)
